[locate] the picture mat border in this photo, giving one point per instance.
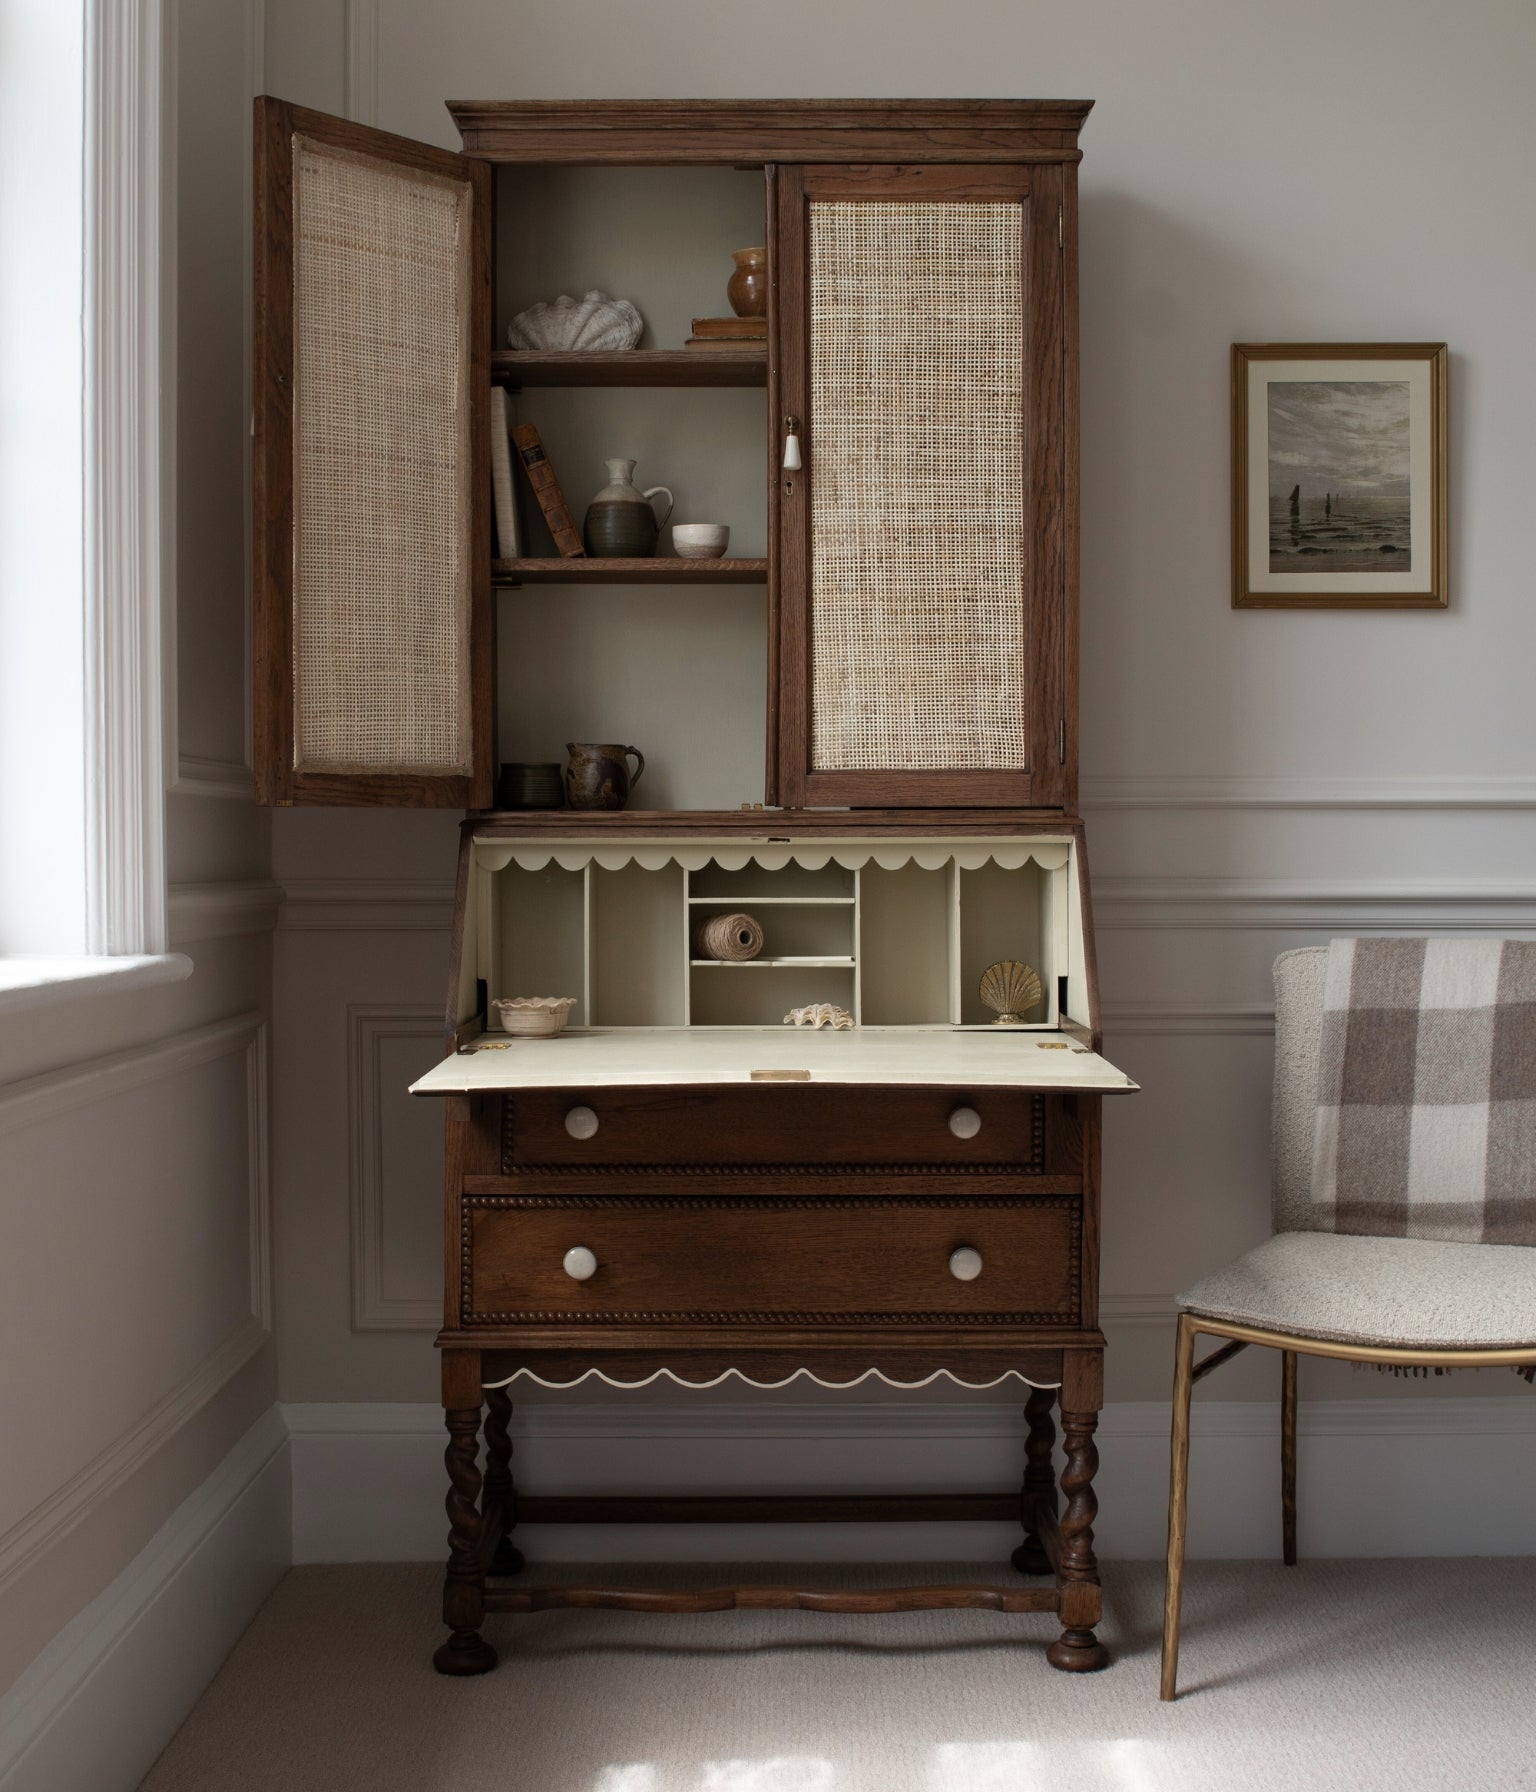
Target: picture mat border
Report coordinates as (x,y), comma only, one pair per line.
(1419,362)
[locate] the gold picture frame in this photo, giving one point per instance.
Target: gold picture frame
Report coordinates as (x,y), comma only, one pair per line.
(1339,457)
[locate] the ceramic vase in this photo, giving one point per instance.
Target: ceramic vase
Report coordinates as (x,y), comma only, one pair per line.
(621,523)
(747,288)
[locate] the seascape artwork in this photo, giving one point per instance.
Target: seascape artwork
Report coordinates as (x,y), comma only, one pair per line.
(1339,497)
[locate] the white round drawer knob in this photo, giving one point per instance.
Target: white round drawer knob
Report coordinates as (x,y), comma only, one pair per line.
(964,1263)
(580,1263)
(965,1123)
(581,1123)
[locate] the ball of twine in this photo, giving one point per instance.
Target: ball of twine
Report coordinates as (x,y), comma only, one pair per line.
(733,938)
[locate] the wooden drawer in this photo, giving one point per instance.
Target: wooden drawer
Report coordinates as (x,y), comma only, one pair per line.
(879,1256)
(774,1125)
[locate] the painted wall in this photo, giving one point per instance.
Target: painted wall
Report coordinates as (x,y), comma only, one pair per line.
(135,1296)
(1253,781)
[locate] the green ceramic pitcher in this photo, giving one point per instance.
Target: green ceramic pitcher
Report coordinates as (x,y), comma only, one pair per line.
(621,523)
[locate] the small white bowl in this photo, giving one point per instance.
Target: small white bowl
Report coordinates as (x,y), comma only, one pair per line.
(700,541)
(534,1017)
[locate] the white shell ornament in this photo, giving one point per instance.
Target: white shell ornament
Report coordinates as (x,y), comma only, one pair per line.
(1011,989)
(590,324)
(819,1015)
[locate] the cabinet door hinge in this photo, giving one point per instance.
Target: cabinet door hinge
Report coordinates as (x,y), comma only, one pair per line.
(1061,741)
(1061,227)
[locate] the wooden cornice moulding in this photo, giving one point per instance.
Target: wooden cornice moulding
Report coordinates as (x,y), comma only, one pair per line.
(661,132)
(769,824)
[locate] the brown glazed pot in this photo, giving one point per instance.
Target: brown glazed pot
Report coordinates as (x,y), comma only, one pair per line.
(747,288)
(598,777)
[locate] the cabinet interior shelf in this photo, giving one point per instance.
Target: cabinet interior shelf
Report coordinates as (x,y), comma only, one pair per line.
(769,964)
(582,570)
(783,901)
(743,366)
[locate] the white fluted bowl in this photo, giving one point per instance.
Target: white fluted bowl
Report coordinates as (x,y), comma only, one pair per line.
(534,1017)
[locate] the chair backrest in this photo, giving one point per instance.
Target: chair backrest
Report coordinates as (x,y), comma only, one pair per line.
(1298,1046)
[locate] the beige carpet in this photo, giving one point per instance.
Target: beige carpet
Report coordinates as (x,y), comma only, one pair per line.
(1348,1675)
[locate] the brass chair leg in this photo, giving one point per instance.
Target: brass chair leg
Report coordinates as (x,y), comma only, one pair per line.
(1178,1499)
(1288,1454)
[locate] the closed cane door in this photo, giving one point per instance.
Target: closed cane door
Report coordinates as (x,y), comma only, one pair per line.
(926,566)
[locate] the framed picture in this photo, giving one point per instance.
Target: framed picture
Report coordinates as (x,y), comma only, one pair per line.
(1338,476)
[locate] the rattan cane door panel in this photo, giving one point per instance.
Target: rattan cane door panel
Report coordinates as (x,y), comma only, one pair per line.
(921,589)
(372,586)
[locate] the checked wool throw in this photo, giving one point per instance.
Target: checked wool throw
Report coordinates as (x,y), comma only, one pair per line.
(1426,1098)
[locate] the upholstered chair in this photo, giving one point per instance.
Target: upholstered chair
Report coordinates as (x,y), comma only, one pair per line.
(1405,1302)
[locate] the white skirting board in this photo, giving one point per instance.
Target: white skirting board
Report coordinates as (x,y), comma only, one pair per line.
(106,1695)
(1379,1476)
(364,1482)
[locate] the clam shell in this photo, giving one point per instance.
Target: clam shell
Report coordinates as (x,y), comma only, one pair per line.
(591,323)
(1010,988)
(819,1015)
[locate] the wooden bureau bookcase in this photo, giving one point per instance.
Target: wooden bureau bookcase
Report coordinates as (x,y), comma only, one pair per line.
(680,1183)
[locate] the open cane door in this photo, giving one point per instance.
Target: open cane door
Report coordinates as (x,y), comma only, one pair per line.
(372,597)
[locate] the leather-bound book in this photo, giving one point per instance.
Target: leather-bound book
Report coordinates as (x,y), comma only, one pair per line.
(731,329)
(546,488)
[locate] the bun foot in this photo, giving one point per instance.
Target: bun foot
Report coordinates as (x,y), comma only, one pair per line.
(1077,1652)
(507,1559)
(1030,1558)
(465,1652)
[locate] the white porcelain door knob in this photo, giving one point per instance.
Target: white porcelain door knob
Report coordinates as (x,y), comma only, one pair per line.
(965,1263)
(581,1123)
(581,1264)
(965,1123)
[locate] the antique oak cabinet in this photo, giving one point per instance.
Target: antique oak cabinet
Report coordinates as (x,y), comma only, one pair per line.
(680,1184)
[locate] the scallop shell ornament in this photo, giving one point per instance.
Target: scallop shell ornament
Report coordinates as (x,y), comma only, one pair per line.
(1011,989)
(589,324)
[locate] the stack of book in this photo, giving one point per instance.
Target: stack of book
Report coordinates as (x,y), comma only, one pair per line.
(728,332)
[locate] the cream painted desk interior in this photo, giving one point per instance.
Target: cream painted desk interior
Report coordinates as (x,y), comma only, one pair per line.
(680,1184)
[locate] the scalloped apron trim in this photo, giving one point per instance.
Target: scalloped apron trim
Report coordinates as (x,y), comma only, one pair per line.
(726,1374)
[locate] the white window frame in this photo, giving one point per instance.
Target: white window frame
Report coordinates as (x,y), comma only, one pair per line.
(124,644)
(116,758)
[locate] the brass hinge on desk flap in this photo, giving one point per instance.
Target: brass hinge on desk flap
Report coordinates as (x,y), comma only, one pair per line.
(1061,228)
(781,1076)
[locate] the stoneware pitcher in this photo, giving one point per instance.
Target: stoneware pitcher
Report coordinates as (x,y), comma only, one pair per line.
(620,522)
(598,776)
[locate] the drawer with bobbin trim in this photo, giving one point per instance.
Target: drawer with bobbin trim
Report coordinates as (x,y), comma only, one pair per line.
(818,1124)
(907,1250)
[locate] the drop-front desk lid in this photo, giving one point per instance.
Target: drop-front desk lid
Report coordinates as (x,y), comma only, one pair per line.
(614,1057)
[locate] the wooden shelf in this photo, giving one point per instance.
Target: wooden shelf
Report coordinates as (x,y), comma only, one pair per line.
(743,366)
(581,570)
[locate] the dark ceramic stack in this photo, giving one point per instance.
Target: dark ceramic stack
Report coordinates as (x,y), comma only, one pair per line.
(531,786)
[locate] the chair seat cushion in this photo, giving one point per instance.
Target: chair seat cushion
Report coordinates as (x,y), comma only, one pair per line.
(1409,1293)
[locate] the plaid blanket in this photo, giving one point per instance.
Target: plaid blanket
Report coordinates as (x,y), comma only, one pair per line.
(1426,1098)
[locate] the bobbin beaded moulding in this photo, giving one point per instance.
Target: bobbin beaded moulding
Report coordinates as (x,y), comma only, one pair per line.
(679,1184)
